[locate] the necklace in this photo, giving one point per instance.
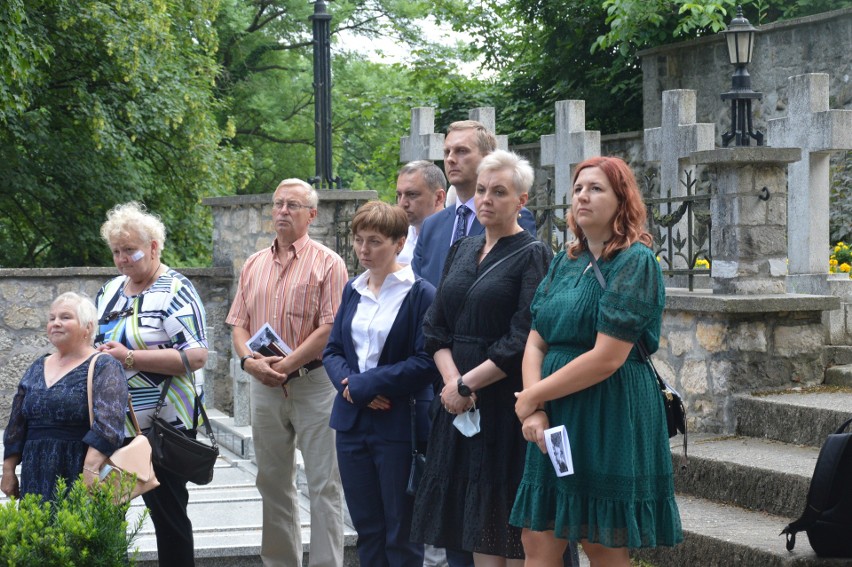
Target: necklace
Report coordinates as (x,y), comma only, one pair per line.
(147,283)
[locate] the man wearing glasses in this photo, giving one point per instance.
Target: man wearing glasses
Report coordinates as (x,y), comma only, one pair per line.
(295,285)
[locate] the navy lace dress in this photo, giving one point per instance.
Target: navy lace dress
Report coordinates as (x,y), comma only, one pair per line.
(49,427)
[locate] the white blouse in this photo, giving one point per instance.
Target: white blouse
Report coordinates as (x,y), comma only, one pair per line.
(374,316)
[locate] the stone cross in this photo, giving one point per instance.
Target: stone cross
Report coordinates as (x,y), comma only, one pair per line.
(487,116)
(671,145)
(570,145)
(422,142)
(811,126)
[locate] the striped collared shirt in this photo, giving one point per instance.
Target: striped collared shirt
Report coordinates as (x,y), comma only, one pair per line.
(295,297)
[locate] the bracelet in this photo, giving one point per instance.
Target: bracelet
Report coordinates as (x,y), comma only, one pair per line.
(128,360)
(243,361)
(94,472)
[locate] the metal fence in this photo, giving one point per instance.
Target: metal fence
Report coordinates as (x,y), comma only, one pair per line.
(680,226)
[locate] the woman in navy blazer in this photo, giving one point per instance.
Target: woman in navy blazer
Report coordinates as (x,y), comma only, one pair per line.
(377,362)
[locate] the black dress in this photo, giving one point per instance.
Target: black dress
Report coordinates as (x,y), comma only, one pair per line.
(468,488)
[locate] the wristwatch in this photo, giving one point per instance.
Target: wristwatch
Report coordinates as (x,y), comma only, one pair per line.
(464,390)
(243,361)
(128,360)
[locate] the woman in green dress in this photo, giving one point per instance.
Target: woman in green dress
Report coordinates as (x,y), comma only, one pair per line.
(581,370)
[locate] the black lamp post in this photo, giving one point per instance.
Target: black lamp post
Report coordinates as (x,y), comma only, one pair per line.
(740,38)
(322,97)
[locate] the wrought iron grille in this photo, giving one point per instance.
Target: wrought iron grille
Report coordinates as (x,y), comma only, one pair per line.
(681,255)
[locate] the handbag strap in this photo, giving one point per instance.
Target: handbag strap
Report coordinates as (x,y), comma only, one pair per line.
(89,380)
(198,407)
(643,352)
(491,267)
(413,404)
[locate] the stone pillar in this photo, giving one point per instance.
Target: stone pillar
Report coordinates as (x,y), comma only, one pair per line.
(242,225)
(748,208)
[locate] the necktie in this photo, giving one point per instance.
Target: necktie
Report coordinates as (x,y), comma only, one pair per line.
(461,222)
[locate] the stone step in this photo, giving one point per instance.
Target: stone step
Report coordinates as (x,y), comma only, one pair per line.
(751,473)
(719,535)
(839,376)
(836,355)
(798,417)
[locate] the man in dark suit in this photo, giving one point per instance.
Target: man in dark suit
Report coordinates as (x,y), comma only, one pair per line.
(466,143)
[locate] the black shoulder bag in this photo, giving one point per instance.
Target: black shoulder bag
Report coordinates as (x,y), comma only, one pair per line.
(675,411)
(174,451)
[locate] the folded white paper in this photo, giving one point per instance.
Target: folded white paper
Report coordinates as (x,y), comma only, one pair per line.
(559,449)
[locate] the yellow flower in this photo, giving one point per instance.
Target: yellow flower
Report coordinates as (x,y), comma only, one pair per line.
(844,267)
(702,263)
(832,262)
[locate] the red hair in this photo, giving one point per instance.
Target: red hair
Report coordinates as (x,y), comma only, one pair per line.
(629,222)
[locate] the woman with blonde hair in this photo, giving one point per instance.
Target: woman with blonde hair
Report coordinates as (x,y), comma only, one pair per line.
(147,315)
(49,432)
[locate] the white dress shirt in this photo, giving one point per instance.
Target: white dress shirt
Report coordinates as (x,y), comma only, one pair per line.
(374,316)
(407,253)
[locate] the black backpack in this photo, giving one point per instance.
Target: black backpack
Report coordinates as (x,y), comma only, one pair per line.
(827,518)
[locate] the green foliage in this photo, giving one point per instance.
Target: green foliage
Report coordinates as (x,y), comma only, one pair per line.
(82,527)
(116,104)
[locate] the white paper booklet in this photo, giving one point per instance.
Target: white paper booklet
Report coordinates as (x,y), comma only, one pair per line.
(559,449)
(267,342)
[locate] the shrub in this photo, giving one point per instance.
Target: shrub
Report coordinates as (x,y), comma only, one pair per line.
(82,527)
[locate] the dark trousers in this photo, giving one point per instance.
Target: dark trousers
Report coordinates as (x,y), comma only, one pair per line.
(374,473)
(167,504)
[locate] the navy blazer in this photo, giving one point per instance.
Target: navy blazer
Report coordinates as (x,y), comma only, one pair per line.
(433,242)
(404,369)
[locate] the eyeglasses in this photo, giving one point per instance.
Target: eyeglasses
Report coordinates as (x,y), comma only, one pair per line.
(112,316)
(291,206)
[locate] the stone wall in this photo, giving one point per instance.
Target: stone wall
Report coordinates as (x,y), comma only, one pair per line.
(713,347)
(815,44)
(25,298)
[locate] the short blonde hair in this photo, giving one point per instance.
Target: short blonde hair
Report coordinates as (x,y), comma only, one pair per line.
(522,172)
(83,307)
(132,218)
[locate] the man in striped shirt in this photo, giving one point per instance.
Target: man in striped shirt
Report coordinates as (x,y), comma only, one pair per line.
(296,286)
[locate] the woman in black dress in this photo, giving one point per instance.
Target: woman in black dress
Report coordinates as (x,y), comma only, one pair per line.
(477,334)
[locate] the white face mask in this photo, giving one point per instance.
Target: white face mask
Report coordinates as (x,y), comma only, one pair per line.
(468,422)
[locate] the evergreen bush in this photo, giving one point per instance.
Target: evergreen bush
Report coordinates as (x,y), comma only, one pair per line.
(81,527)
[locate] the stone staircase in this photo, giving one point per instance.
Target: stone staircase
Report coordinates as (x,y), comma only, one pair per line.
(226,514)
(738,492)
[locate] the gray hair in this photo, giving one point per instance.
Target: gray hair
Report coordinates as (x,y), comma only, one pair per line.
(132,218)
(83,307)
(522,171)
(432,174)
(313,197)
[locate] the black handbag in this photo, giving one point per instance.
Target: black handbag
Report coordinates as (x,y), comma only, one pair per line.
(675,410)
(418,459)
(174,450)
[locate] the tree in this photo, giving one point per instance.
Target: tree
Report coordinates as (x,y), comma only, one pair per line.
(105,102)
(266,87)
